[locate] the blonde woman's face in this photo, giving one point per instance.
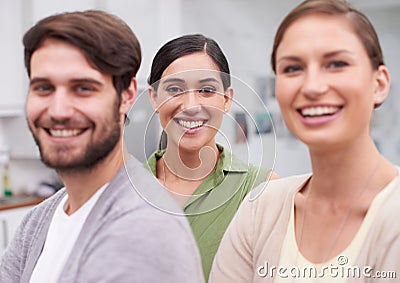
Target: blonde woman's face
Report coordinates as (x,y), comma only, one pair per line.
(325,84)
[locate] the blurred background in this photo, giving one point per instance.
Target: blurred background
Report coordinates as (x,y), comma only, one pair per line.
(243,28)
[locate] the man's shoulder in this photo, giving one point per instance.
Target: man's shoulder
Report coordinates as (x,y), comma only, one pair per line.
(136,196)
(132,220)
(45,209)
(136,188)
(137,212)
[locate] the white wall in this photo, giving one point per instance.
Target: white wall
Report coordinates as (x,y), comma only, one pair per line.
(244,29)
(387,117)
(245,32)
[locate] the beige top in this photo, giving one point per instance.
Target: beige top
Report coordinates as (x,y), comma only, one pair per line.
(301,270)
(251,247)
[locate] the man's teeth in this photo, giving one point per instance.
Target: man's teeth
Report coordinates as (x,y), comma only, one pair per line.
(65,133)
(190,125)
(320,110)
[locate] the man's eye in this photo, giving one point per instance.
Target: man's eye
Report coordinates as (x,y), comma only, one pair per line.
(84,88)
(42,88)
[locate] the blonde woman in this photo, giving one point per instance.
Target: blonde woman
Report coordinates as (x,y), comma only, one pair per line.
(330,76)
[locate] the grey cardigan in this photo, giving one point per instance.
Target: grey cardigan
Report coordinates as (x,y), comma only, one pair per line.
(134,233)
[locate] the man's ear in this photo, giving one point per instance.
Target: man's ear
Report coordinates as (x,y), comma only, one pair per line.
(382,85)
(128,97)
(228,96)
(153,98)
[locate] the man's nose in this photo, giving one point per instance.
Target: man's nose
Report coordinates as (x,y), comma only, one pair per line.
(60,106)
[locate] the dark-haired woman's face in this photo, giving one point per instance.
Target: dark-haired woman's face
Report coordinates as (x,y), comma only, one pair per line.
(191,101)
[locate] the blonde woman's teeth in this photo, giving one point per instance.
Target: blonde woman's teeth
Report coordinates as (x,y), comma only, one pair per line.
(319,111)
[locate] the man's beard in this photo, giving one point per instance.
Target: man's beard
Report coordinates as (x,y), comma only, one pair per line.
(94,152)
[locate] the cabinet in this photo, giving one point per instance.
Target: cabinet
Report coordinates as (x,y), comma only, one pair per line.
(12,76)
(19,139)
(9,222)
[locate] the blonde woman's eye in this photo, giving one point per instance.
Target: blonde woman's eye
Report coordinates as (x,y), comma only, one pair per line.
(337,64)
(291,69)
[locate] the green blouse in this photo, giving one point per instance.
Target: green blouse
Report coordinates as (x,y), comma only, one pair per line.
(214,203)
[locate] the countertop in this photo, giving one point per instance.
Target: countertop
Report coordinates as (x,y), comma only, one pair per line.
(19,201)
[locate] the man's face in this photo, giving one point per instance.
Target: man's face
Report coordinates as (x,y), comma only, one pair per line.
(72,109)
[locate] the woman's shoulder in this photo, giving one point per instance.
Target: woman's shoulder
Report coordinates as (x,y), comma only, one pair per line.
(389,211)
(268,204)
(277,190)
(273,196)
(151,162)
(233,163)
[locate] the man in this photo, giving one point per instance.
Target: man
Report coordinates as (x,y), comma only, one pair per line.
(82,69)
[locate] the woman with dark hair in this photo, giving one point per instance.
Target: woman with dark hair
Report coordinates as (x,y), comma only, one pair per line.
(337,224)
(190,89)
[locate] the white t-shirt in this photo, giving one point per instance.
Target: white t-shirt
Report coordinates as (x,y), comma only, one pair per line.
(63,231)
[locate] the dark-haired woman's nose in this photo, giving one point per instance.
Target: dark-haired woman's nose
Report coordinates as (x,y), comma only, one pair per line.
(191,103)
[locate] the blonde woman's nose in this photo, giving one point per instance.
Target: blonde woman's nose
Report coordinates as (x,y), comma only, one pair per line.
(314,83)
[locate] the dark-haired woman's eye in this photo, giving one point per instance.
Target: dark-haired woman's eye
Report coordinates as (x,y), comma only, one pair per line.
(207,90)
(175,90)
